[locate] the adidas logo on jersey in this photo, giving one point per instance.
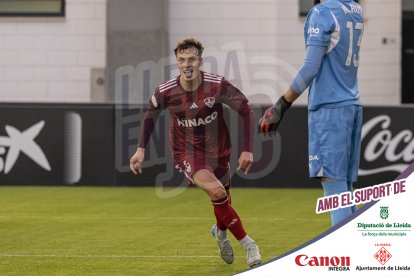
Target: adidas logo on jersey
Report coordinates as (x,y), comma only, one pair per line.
(193,106)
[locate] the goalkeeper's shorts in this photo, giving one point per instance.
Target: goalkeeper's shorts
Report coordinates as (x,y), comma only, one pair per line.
(335,142)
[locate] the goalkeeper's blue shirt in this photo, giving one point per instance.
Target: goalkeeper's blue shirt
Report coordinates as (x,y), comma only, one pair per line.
(336,25)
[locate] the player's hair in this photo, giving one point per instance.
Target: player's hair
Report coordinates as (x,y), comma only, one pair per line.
(189,43)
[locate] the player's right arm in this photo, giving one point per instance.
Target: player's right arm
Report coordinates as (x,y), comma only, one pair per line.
(318,28)
(272,117)
(150,119)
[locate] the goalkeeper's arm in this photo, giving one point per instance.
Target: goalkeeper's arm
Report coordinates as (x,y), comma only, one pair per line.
(272,116)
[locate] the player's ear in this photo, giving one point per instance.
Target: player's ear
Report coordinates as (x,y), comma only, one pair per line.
(201,61)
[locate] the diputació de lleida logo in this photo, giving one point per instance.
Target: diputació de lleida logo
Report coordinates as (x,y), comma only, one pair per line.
(384,212)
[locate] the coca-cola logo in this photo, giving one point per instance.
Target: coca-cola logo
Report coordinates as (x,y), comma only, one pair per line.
(397,149)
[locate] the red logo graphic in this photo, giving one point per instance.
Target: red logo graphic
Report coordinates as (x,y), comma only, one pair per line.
(383,255)
(304,260)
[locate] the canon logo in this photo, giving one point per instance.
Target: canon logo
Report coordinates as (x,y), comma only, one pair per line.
(304,260)
(197,121)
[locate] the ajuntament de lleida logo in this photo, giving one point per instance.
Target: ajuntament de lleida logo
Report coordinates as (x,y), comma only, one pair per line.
(384,212)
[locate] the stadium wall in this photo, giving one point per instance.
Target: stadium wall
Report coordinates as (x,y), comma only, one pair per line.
(53,60)
(85,144)
(268,34)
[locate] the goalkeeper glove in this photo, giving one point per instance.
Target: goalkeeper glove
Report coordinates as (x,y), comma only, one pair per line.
(272,116)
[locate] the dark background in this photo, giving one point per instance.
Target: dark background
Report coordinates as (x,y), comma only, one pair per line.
(109,138)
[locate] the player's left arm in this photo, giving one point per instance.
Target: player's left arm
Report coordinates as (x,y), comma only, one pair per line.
(236,100)
(246,157)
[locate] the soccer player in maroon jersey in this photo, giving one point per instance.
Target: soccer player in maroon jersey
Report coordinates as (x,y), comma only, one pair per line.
(200,140)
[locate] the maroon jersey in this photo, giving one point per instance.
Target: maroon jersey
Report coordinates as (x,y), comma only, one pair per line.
(197,126)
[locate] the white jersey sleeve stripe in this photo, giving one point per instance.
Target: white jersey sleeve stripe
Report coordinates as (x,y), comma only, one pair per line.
(168,87)
(335,35)
(167,83)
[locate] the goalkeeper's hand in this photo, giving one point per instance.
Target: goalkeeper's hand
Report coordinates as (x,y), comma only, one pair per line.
(270,120)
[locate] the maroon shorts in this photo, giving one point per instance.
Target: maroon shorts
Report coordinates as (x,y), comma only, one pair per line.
(189,164)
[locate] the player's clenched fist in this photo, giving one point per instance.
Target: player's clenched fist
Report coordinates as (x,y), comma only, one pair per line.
(136,160)
(271,118)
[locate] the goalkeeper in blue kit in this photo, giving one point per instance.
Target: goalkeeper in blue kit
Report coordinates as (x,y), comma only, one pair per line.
(333,33)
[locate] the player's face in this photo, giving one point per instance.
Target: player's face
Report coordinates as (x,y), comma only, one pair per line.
(189,63)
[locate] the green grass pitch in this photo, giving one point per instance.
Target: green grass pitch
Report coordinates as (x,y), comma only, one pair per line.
(139,231)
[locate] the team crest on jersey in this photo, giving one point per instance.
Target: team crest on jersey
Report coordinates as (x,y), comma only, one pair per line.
(209,101)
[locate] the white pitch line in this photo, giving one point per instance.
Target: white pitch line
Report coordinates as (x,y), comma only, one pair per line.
(111,256)
(43,217)
(149,218)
